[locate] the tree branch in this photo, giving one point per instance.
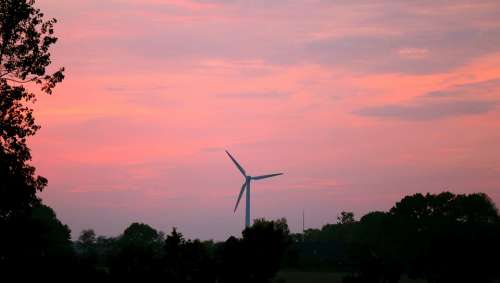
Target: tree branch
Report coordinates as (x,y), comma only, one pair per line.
(21,82)
(4,74)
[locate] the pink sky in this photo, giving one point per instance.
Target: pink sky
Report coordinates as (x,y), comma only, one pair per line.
(359,102)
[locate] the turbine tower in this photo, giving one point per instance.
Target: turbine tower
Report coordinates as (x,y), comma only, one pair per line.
(246,186)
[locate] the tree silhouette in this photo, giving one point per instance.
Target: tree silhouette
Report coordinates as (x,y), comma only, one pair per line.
(173,254)
(25,40)
(87,238)
(187,261)
(137,253)
(232,261)
(345,218)
(452,236)
(265,243)
(440,238)
(40,245)
(87,250)
(256,257)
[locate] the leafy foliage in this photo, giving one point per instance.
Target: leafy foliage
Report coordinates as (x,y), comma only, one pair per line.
(40,246)
(346,218)
(137,252)
(25,41)
(188,261)
(451,236)
(258,256)
(436,237)
(31,235)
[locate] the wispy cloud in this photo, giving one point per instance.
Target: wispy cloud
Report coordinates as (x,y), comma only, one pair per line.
(491,87)
(429,110)
(463,99)
(256,95)
(157,89)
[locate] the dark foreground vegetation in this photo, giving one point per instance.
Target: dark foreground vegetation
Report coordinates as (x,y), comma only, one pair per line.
(141,252)
(438,238)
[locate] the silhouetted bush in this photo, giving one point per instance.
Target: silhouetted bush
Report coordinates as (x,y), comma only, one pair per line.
(36,246)
(188,261)
(439,238)
(137,253)
(256,257)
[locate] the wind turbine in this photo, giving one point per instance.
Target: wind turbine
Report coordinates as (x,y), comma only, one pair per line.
(246,185)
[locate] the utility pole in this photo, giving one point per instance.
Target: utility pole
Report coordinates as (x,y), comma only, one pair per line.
(303,221)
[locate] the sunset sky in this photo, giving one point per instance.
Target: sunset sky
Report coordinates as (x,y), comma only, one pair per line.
(359,103)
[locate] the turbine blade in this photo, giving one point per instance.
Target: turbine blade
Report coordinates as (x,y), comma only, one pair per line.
(237,164)
(266,176)
(241,193)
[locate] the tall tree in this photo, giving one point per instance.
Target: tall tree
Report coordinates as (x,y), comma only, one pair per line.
(25,41)
(137,253)
(38,246)
(30,234)
(447,237)
(346,218)
(265,244)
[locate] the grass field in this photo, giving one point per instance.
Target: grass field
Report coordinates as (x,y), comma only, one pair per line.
(319,277)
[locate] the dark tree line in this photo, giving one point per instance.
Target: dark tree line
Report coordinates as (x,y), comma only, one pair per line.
(436,237)
(142,253)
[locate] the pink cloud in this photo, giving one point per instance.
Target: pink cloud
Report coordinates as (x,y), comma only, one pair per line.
(156,90)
